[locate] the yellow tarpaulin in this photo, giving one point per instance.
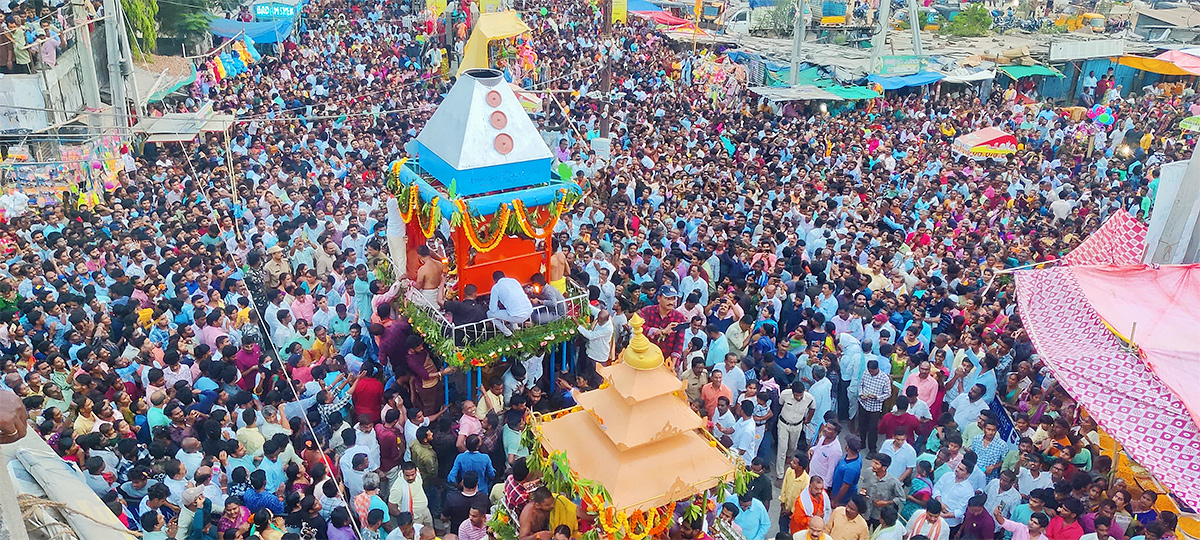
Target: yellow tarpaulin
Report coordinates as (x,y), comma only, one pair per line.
(1153,65)
(1138,479)
(491,26)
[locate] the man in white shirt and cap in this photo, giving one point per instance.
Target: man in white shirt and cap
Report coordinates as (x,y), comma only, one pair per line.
(508,305)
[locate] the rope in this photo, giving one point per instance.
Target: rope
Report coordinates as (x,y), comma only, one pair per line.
(30,504)
(998,273)
(274,352)
(343,492)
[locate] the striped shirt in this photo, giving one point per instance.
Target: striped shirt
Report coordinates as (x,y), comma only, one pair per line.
(468,531)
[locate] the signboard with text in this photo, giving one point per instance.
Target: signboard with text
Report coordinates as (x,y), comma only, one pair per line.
(620,10)
(269,11)
(897,65)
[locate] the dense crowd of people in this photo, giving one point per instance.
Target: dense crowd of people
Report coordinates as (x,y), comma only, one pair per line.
(223,362)
(31,37)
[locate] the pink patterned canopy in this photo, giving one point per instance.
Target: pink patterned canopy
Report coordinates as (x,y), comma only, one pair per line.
(1148,401)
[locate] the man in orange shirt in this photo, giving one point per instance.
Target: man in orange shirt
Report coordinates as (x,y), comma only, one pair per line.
(811,502)
(713,390)
(1059,437)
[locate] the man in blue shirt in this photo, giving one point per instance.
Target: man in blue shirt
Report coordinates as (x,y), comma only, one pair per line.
(259,498)
(272,466)
(472,460)
(846,474)
(784,358)
(753,518)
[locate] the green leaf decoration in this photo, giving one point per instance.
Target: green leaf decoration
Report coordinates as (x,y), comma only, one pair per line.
(502,525)
(530,341)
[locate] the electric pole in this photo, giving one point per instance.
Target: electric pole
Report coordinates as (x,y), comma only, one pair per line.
(914,16)
(127,61)
(880,39)
(798,34)
(87,68)
(116,80)
(606,70)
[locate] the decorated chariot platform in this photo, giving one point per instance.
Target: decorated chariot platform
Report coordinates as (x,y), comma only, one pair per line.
(480,183)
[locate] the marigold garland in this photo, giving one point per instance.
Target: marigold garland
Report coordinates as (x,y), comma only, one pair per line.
(529,227)
(407,214)
(397,165)
(664,521)
(607,520)
(652,523)
(503,214)
(410,209)
(434,220)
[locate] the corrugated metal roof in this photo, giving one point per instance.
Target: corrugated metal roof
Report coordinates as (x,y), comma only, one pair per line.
(794,93)
(1180,17)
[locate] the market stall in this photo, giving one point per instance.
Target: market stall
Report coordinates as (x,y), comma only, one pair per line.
(904,81)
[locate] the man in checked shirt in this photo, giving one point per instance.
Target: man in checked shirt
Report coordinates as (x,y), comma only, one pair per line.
(661,321)
(876,388)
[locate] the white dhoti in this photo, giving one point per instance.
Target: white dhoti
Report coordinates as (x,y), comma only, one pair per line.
(397,241)
(426,297)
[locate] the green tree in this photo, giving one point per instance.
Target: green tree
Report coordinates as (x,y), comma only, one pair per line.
(974,21)
(140,15)
(186,19)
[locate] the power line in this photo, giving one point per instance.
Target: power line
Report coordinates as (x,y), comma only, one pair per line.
(38,163)
(218,120)
(259,116)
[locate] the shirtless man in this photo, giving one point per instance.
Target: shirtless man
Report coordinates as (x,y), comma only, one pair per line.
(558,267)
(535,517)
(431,279)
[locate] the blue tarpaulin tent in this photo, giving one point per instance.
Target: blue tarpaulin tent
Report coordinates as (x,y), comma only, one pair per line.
(260,32)
(916,79)
(642,5)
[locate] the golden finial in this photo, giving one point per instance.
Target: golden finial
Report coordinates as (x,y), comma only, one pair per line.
(641,353)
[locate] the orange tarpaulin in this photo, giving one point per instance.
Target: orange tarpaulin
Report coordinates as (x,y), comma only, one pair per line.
(1154,65)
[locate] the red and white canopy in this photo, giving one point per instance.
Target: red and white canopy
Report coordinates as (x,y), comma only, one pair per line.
(987,142)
